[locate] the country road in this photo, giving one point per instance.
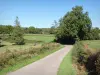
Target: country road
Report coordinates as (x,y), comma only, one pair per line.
(46,66)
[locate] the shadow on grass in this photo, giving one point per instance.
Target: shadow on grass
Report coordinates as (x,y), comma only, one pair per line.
(2,45)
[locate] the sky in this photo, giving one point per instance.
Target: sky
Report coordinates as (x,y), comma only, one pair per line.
(42,13)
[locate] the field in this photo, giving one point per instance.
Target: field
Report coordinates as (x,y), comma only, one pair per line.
(32,40)
(39,37)
(95,44)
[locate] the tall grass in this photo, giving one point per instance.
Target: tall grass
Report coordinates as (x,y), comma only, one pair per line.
(79,57)
(9,58)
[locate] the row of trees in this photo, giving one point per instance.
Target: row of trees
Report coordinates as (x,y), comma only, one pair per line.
(15,33)
(7,29)
(76,25)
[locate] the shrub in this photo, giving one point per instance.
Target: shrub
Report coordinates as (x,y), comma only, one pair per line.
(79,54)
(98,64)
(11,62)
(17,34)
(83,55)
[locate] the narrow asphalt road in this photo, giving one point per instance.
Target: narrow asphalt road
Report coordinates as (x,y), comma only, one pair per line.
(45,66)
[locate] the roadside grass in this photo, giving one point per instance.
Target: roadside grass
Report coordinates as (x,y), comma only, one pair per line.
(66,67)
(27,61)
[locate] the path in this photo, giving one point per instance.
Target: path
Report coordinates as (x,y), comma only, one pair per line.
(46,66)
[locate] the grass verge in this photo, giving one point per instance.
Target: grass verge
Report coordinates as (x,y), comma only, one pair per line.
(28,61)
(66,67)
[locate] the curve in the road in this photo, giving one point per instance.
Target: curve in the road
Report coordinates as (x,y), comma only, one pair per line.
(46,66)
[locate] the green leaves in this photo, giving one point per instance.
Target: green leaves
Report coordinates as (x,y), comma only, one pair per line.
(75,24)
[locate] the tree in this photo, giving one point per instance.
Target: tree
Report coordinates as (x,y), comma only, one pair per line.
(74,25)
(6,29)
(9,29)
(3,29)
(17,34)
(31,30)
(55,24)
(52,30)
(95,34)
(53,27)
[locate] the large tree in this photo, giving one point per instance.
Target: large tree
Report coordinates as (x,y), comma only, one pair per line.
(17,34)
(74,25)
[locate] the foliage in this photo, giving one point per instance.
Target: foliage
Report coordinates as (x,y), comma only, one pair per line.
(83,55)
(95,34)
(2,37)
(52,30)
(79,54)
(17,34)
(31,30)
(54,27)
(98,64)
(6,29)
(75,24)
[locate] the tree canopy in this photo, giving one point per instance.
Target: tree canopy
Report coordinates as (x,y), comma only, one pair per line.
(76,24)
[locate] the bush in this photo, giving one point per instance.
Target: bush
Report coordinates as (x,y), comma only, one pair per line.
(83,56)
(17,34)
(98,64)
(79,54)
(20,41)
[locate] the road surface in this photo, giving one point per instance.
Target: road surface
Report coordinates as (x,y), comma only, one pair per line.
(46,66)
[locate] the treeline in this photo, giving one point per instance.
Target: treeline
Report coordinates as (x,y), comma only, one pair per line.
(7,29)
(76,25)
(15,33)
